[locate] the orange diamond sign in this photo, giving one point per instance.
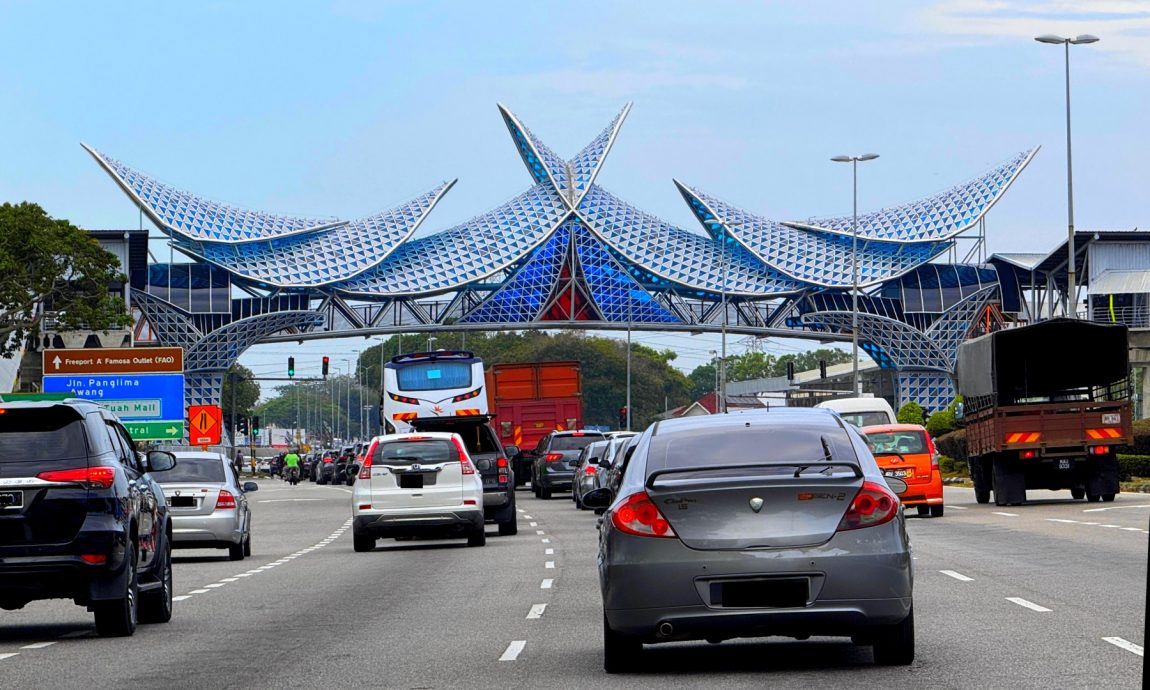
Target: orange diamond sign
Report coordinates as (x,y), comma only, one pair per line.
(204,424)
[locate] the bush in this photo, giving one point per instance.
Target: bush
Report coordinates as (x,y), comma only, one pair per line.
(910,413)
(942,422)
(950,466)
(1141,444)
(1130,466)
(953,445)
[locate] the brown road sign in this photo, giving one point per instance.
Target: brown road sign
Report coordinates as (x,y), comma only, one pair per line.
(205,423)
(115,360)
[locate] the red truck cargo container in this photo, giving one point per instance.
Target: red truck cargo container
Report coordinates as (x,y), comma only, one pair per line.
(531,400)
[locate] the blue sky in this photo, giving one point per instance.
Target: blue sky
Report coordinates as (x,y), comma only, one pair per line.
(348,107)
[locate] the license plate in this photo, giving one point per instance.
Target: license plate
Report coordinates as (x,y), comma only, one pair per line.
(1064,463)
(766,593)
(182,501)
(1112,418)
(898,473)
(11,500)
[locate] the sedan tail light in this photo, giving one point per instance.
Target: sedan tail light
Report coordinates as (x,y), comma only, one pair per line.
(225,500)
(590,469)
(873,505)
(641,517)
(933,450)
(553,457)
(89,477)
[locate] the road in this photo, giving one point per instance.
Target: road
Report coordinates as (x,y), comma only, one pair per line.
(1023,597)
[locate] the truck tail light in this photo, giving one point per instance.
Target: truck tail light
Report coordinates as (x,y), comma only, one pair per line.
(1099,450)
(641,517)
(225,500)
(1027,454)
(89,477)
(553,457)
(873,505)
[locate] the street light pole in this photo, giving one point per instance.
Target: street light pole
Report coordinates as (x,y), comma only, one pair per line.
(715,359)
(854,161)
(1071,273)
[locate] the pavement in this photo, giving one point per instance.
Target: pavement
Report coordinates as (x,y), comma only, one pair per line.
(1050,594)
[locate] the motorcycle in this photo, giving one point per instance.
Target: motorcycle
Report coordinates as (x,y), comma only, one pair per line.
(291,475)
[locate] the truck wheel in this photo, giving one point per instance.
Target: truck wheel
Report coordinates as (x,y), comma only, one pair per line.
(1093,498)
(1108,498)
(1078,494)
(980,480)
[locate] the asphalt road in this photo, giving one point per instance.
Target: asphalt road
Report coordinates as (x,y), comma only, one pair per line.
(1045,595)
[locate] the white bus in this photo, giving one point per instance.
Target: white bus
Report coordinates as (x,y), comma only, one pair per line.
(446,383)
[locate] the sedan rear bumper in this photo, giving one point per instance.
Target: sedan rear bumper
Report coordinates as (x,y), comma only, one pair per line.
(198,531)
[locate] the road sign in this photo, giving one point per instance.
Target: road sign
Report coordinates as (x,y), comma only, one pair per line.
(206,423)
(114,360)
(155,431)
(140,389)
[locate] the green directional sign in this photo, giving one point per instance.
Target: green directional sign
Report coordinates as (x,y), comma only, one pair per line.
(154,431)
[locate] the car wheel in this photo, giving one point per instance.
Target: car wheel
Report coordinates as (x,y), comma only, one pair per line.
(156,605)
(248,546)
(1078,494)
(545,493)
(894,645)
(362,543)
(509,529)
(923,511)
(478,537)
(535,489)
(621,653)
(236,552)
(118,617)
(1108,498)
(936,511)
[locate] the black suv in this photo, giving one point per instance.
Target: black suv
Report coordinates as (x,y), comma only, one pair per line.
(553,468)
(491,460)
(80,517)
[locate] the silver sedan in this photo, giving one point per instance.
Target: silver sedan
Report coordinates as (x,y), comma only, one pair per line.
(751,525)
(208,504)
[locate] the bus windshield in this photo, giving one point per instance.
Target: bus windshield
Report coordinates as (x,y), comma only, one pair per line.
(429,376)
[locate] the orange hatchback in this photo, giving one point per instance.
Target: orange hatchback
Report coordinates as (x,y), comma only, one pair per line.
(907,451)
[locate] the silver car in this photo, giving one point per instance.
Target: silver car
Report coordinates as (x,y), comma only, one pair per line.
(750,525)
(207,503)
(586,470)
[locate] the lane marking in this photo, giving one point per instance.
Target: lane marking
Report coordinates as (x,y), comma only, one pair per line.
(551,552)
(38,645)
(513,650)
(1065,522)
(520,510)
(1028,604)
(528,516)
(182,597)
(229,579)
(1124,644)
(8,655)
(546,541)
(287,500)
(200,591)
(956,507)
(1004,514)
(534,524)
(546,584)
(958,576)
(215,584)
(1131,529)
(1099,510)
(1111,526)
(539,531)
(549,564)
(536,611)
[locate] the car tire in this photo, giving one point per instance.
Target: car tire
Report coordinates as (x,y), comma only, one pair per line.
(894,645)
(535,489)
(236,552)
(507,520)
(248,546)
(509,529)
(1107,498)
(621,653)
(362,543)
(545,493)
(1078,494)
(478,537)
(937,511)
(923,511)
(156,605)
(118,617)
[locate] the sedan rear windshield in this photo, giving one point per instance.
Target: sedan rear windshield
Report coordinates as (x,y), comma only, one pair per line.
(574,442)
(724,445)
(903,442)
(41,435)
(193,470)
(429,452)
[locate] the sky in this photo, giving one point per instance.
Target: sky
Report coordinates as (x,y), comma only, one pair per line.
(347,107)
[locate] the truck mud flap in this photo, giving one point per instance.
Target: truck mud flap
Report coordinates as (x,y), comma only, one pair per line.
(1103,477)
(1009,482)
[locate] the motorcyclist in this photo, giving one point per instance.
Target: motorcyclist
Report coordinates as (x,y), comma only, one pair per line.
(291,465)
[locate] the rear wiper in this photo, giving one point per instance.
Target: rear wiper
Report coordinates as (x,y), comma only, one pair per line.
(803,468)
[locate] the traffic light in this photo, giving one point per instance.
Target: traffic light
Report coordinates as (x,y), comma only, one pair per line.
(255,425)
(326,362)
(623,417)
(242,424)
(291,367)
(822,368)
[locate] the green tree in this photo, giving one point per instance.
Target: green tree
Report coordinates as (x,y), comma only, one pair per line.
(50,266)
(247,392)
(910,413)
(942,421)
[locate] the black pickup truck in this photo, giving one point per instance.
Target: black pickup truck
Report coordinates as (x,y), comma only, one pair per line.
(491,460)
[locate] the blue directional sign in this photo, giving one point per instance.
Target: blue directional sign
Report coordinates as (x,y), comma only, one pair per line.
(130,396)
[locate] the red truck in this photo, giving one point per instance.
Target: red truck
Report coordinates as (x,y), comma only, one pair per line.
(1045,407)
(531,400)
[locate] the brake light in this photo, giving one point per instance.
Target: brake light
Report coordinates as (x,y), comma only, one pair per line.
(365,506)
(403,399)
(873,505)
(365,471)
(94,558)
(1100,450)
(501,463)
(552,457)
(464,460)
(225,500)
(577,433)
(1026,454)
(467,396)
(641,517)
(90,477)
(590,469)
(327,460)
(933,450)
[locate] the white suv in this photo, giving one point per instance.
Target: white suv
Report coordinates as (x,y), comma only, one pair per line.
(421,484)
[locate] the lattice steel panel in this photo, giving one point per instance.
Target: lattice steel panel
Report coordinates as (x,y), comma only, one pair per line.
(521,298)
(907,347)
(933,390)
(617,295)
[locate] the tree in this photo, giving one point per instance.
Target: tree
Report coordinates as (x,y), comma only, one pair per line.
(247,392)
(942,421)
(50,266)
(910,413)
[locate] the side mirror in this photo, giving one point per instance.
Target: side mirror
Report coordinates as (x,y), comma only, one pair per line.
(160,461)
(598,498)
(605,464)
(896,485)
(250,486)
(510,451)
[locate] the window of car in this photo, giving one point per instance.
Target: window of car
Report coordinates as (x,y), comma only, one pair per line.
(127,447)
(861,419)
(905,442)
(40,435)
(433,376)
(422,452)
(572,442)
(193,470)
(729,445)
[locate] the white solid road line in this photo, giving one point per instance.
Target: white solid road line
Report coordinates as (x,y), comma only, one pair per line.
(1028,604)
(546,584)
(513,650)
(8,655)
(1004,514)
(958,576)
(536,611)
(41,645)
(1099,510)
(1124,644)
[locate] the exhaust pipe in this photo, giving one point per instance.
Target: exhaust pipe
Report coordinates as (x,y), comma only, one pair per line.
(665,629)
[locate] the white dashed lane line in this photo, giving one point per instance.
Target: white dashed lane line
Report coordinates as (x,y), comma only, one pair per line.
(536,611)
(534,524)
(1099,510)
(548,552)
(1063,521)
(958,576)
(950,507)
(8,655)
(540,532)
(1124,644)
(546,541)
(1004,514)
(1028,604)
(513,650)
(549,565)
(39,645)
(546,584)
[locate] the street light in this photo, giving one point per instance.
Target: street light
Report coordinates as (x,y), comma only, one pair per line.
(715,359)
(854,161)
(430,339)
(1071,297)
